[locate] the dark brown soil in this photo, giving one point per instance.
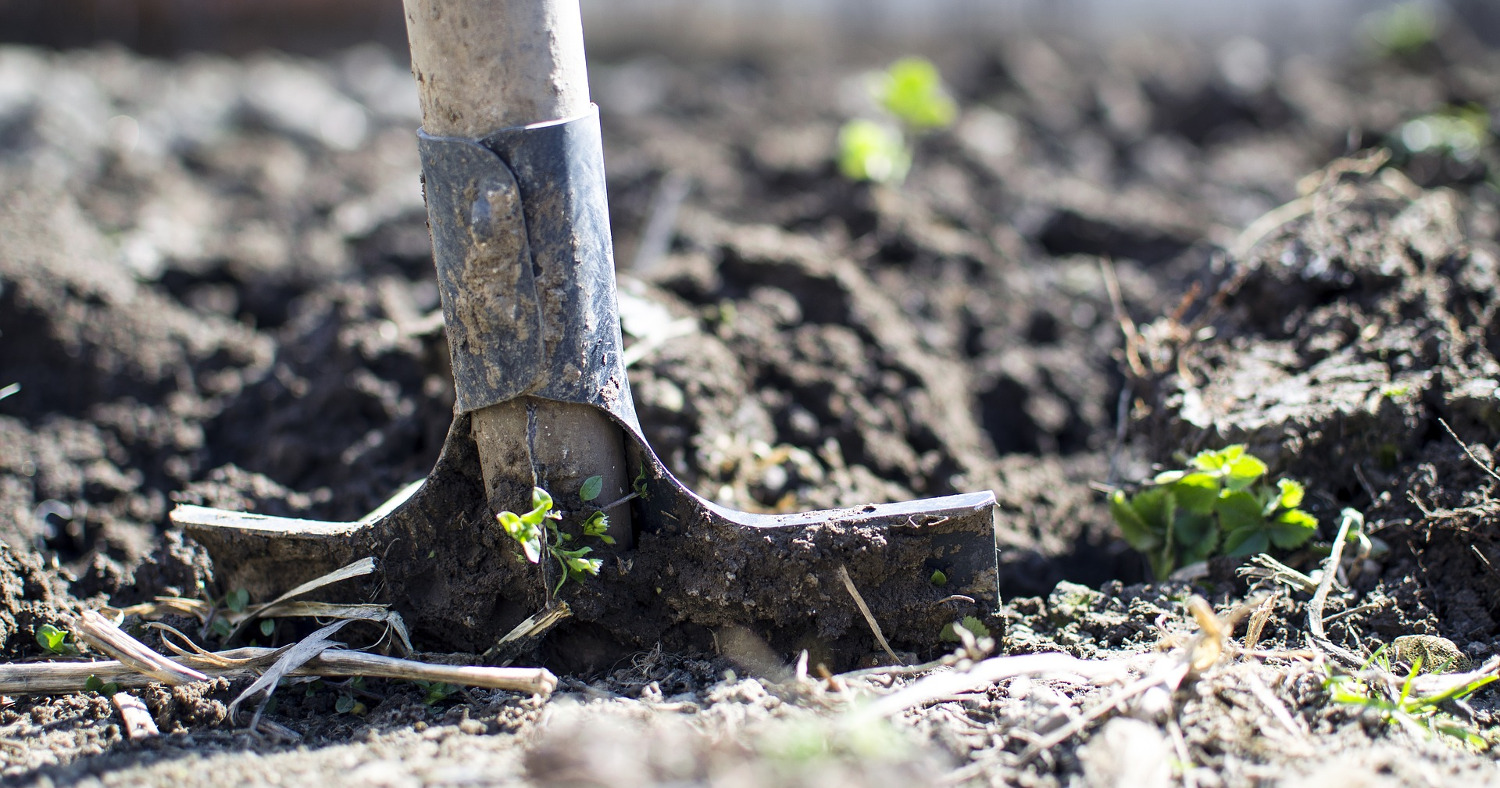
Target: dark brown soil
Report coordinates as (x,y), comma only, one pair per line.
(207,299)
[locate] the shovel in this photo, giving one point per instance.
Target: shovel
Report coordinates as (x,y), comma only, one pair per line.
(513,171)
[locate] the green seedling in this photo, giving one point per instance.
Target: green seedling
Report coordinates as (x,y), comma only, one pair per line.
(14,388)
(436,691)
(55,641)
(1461,132)
(1407,708)
(95,684)
(912,90)
(237,600)
(873,151)
(912,99)
(348,704)
(971,623)
(1222,505)
(597,523)
(1395,391)
(1402,29)
(536,532)
(938,578)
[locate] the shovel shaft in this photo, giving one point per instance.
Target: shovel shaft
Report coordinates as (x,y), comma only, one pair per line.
(482,66)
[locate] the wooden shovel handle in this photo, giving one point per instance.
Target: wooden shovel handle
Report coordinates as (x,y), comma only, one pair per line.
(485,65)
(482,66)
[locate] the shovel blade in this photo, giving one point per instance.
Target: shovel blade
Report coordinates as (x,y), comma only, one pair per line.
(696,567)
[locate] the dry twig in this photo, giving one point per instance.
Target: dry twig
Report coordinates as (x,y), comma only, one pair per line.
(869,617)
(52,678)
(102,634)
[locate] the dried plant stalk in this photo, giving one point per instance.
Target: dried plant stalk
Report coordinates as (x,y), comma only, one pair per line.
(52,678)
(102,634)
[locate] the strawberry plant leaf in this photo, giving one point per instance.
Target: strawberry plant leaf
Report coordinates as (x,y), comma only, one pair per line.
(1138,534)
(1197,492)
(1246,541)
(1292,528)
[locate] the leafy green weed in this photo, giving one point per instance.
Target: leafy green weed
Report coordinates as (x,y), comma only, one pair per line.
(1222,504)
(536,532)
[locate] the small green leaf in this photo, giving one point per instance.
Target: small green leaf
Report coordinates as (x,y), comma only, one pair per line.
(1243,472)
(912,90)
(870,151)
(1291,495)
(1199,549)
(1217,460)
(974,625)
(106,689)
(592,486)
(1197,492)
(1133,527)
(93,684)
(1292,528)
(52,639)
(1192,530)
(1157,506)
(1239,511)
(1246,541)
(344,704)
(267,626)
(528,535)
(938,578)
(436,691)
(541,499)
(222,628)
(237,600)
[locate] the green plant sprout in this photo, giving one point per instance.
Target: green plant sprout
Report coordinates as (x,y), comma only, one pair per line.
(971,623)
(55,641)
(911,95)
(1402,29)
(1221,505)
(237,600)
(873,151)
(436,691)
(95,684)
(536,531)
(912,90)
(1461,131)
(1407,708)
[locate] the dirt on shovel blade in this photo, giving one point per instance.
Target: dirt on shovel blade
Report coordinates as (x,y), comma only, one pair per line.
(211,294)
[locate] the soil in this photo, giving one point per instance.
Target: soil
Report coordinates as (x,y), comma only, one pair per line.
(216,288)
